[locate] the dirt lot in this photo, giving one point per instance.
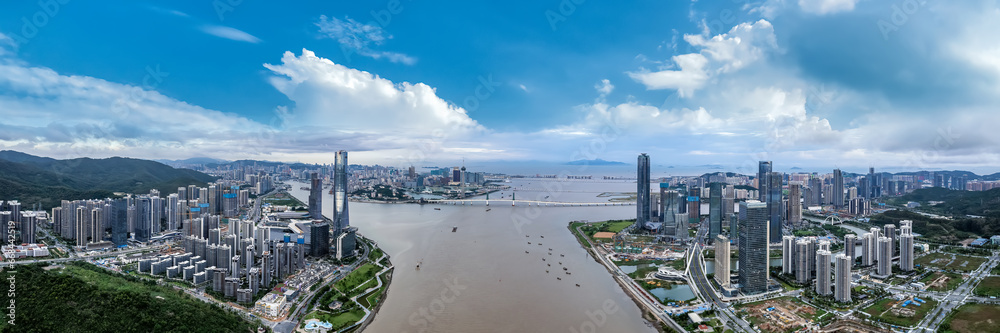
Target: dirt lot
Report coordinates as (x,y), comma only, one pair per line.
(975,318)
(787,314)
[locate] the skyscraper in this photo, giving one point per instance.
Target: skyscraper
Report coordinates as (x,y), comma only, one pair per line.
(776,217)
(734,229)
(884,256)
(823,272)
(843,278)
(319,238)
(722,260)
(315,196)
(763,174)
(340,215)
(642,192)
(119,221)
(668,210)
(15,210)
(728,202)
(906,245)
(794,203)
(28,227)
(714,210)
(889,231)
(694,204)
(788,255)
(838,189)
(753,247)
(816,185)
(868,247)
(802,254)
(850,247)
(681,229)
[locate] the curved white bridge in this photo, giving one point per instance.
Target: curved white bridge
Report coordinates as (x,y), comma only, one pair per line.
(484,202)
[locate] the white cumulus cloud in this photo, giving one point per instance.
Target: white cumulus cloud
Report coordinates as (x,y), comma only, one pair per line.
(726,53)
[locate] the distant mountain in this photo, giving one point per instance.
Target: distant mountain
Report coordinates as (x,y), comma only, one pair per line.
(594,162)
(192,161)
(294,165)
(33,179)
(19,157)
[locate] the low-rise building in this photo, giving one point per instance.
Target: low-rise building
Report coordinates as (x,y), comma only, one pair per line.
(270,305)
(25,251)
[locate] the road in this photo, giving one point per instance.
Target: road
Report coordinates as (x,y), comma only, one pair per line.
(705,289)
(957,297)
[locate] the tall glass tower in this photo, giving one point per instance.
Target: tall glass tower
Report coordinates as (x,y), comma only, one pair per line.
(714,210)
(753,247)
(774,206)
(315,196)
(763,173)
(838,189)
(642,192)
(340,217)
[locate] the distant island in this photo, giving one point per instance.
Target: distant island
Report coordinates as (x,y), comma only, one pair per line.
(594,162)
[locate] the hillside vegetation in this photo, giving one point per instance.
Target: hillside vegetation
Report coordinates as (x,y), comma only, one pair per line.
(85,298)
(32,179)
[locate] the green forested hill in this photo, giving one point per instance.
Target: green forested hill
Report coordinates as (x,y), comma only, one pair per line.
(33,179)
(954,202)
(85,298)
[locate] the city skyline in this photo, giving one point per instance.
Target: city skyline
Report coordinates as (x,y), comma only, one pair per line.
(692,79)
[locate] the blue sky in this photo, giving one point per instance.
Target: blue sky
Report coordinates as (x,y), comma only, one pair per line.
(810,83)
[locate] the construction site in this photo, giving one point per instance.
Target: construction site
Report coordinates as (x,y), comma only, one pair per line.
(780,314)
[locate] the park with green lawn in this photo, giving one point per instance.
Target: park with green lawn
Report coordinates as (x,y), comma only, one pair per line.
(357,283)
